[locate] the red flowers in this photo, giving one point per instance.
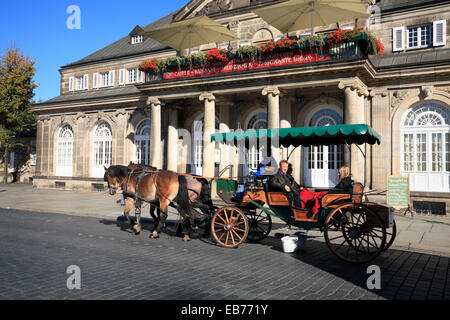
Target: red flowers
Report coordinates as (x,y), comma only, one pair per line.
(272,45)
(217,54)
(149,65)
(339,36)
(380,47)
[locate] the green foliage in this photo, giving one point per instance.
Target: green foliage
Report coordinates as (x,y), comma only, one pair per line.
(179,61)
(251,51)
(16,94)
(198,58)
(311,41)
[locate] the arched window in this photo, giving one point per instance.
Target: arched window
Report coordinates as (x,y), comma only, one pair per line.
(256,120)
(64,154)
(142,142)
(102,149)
(426,147)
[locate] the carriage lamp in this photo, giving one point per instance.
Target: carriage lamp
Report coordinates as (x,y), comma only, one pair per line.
(251,180)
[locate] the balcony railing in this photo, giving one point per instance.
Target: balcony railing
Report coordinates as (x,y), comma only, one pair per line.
(357,49)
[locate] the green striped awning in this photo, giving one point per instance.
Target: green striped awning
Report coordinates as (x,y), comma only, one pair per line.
(305,136)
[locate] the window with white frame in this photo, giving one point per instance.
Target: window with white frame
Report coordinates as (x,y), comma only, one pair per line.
(419,37)
(257,120)
(131,75)
(425,147)
(102,148)
(107,79)
(415,37)
(82,82)
(425,134)
(64,153)
(137,39)
(142,142)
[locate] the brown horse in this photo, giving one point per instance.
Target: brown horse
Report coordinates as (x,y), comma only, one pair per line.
(159,188)
(199,194)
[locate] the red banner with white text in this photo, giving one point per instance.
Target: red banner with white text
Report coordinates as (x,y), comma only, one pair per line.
(266,61)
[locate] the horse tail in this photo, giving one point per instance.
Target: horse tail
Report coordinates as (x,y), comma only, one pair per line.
(182,198)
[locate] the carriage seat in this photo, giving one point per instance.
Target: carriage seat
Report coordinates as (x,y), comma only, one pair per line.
(336,197)
(275,197)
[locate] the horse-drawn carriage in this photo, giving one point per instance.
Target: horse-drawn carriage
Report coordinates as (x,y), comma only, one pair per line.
(355,230)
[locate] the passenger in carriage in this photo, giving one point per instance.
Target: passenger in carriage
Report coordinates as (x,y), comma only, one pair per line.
(280,181)
(311,199)
(345,181)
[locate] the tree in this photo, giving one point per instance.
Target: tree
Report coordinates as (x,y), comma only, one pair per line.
(16,94)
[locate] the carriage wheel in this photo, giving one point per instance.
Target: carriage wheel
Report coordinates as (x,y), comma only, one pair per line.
(259,225)
(229,227)
(390,235)
(361,235)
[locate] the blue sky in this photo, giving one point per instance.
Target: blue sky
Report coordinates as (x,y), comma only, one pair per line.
(38,29)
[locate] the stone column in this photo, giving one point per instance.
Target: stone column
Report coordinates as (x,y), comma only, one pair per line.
(208,129)
(155,132)
(172,139)
(39,144)
(354,113)
(226,151)
(273,116)
(121,117)
(381,154)
(285,122)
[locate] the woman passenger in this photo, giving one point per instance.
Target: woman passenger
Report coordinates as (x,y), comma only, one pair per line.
(345,181)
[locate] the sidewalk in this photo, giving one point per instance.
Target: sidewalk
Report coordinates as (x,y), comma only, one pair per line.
(429,234)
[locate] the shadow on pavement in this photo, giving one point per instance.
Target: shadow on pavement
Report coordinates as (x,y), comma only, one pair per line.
(147,224)
(405,275)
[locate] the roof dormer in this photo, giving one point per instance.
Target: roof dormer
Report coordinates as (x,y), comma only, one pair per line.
(136,35)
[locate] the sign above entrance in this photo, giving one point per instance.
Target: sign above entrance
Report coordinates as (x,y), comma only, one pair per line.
(268,60)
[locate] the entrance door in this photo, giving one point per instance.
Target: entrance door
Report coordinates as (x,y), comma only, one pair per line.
(321,163)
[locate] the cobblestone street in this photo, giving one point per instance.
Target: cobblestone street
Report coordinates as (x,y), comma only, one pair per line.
(37,248)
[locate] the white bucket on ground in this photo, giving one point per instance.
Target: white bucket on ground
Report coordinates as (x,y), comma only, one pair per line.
(289,243)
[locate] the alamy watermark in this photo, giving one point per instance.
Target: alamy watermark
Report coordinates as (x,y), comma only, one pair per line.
(74,280)
(374,280)
(74,20)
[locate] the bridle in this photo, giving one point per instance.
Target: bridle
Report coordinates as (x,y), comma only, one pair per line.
(115,189)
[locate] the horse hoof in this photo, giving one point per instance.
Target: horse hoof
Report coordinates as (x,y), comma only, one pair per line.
(154,235)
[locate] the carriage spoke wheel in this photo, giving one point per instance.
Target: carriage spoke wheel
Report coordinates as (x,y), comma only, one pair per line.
(229,227)
(390,235)
(360,236)
(259,225)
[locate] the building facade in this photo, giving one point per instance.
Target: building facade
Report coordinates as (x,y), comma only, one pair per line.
(109,112)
